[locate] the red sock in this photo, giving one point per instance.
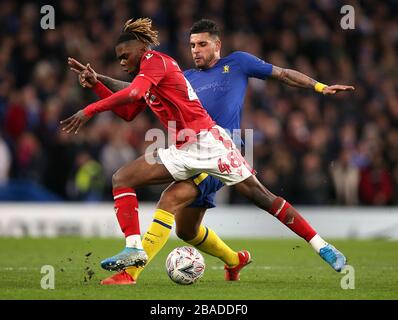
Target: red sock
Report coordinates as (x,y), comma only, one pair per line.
(126,208)
(284,212)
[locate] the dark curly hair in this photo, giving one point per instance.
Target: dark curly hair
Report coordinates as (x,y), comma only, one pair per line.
(139,29)
(205,25)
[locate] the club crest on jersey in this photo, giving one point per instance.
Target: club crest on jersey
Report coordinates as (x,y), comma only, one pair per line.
(149,55)
(226,69)
(150,98)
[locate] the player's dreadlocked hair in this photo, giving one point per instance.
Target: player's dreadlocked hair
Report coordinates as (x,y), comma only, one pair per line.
(205,25)
(139,29)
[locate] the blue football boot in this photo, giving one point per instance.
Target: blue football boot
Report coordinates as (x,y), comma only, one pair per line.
(127,258)
(333,257)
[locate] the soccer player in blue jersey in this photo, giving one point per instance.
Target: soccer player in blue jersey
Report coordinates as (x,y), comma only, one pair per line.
(220,84)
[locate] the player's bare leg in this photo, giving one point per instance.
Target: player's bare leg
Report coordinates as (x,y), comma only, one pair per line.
(252,189)
(141,173)
(177,196)
(188,221)
(137,173)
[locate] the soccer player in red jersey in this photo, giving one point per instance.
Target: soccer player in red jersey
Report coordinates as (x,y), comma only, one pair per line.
(202,146)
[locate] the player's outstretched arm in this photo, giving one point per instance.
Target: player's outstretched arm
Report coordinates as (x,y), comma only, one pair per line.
(75,122)
(113,84)
(88,77)
(131,95)
(297,79)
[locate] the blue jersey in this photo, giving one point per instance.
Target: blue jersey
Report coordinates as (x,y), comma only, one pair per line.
(221,90)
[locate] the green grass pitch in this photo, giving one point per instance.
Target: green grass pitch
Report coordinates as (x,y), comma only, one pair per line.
(282,269)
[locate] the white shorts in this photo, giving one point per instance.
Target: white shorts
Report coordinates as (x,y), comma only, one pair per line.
(213,152)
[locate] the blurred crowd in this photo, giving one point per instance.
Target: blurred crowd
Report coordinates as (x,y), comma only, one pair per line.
(308,148)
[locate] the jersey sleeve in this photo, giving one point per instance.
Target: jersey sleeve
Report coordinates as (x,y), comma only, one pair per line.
(153,67)
(252,66)
(101,90)
(127,112)
(118,99)
(130,111)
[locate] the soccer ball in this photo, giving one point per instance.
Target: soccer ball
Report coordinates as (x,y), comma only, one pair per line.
(185,265)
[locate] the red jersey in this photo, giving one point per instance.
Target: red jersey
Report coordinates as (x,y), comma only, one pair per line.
(171,96)
(162,84)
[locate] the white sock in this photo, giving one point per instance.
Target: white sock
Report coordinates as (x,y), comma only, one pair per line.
(317,243)
(134,241)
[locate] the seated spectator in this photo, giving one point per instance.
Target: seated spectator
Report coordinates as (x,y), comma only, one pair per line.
(376,186)
(345,178)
